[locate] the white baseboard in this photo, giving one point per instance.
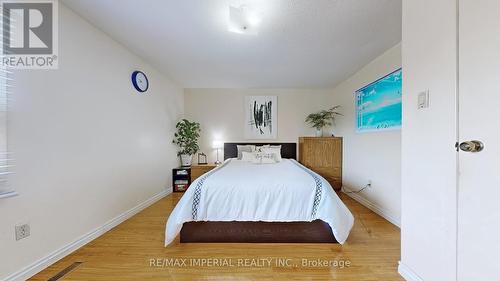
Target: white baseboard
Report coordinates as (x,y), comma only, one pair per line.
(375,208)
(53,257)
(407,273)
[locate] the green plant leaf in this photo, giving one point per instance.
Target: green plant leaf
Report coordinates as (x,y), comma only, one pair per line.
(187,136)
(323,118)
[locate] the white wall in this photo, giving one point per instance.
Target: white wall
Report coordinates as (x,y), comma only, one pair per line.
(374,156)
(87,146)
(429,198)
(220,113)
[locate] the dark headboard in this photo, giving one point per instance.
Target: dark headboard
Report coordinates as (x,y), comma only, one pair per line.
(288,149)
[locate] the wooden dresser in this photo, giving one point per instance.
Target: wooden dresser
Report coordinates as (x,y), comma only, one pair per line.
(198,170)
(324,156)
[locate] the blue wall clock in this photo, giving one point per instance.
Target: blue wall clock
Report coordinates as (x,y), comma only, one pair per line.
(140,81)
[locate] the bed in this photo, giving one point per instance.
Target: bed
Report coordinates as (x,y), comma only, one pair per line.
(242,202)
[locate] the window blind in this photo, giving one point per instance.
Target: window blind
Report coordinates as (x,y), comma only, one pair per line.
(6,85)
(6,161)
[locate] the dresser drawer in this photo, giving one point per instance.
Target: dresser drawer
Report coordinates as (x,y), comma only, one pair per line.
(336,172)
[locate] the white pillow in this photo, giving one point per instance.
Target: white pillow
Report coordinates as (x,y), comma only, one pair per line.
(274,150)
(246,148)
(267,158)
(258,148)
(260,158)
(248,156)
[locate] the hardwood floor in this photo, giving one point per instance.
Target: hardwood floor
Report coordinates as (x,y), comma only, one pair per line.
(127,253)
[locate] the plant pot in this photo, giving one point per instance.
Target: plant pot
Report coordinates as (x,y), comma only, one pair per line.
(186,160)
(319,132)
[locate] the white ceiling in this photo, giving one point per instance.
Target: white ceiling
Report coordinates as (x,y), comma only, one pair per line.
(300,43)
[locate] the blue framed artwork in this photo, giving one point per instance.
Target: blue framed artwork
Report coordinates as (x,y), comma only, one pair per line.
(378,104)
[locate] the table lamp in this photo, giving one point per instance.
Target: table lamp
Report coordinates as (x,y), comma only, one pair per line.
(217,144)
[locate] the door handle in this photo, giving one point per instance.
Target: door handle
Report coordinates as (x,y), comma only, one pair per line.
(471,146)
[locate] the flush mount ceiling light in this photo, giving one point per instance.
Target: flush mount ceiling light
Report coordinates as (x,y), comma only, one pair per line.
(242,20)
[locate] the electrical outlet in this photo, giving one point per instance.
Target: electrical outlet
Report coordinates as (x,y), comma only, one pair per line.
(22,231)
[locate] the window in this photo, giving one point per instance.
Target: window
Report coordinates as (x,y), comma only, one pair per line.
(5,159)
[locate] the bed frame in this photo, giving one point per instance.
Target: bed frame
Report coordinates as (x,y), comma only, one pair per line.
(316,231)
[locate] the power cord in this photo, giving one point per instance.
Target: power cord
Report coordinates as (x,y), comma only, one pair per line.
(356,191)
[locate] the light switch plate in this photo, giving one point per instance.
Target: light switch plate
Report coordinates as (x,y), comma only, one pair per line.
(423,100)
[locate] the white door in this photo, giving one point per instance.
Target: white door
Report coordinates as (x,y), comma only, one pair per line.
(479,119)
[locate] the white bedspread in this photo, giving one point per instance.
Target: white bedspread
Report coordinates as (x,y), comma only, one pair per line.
(242,191)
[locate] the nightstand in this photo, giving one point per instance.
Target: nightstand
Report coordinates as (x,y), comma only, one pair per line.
(198,170)
(181,178)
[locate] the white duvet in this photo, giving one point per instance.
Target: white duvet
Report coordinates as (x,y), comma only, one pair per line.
(242,191)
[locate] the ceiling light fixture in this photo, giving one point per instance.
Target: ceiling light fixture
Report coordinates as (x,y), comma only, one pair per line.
(242,20)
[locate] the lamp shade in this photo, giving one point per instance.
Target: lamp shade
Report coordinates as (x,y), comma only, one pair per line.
(217,144)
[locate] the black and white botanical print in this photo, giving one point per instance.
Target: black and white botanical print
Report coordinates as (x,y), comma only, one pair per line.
(260,117)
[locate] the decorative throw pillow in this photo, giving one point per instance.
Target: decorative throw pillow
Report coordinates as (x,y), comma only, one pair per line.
(262,158)
(244,148)
(267,158)
(257,158)
(275,151)
(260,147)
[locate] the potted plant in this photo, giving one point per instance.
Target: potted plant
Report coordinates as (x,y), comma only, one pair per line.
(186,138)
(323,118)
